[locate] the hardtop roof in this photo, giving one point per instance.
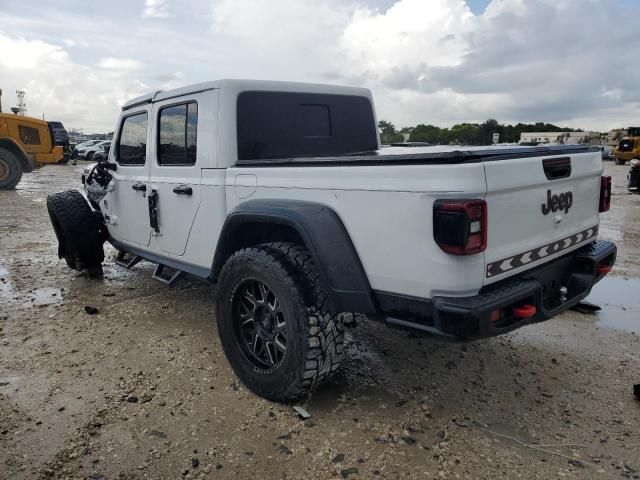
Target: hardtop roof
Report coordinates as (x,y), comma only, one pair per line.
(244,85)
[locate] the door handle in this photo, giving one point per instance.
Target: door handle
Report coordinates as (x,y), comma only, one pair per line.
(183,190)
(153,210)
(141,187)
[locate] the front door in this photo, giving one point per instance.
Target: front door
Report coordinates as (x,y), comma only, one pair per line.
(174,179)
(125,205)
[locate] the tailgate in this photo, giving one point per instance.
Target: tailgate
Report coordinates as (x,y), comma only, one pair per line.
(538,210)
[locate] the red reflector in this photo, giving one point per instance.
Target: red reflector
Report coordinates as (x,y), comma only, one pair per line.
(604,268)
(524,311)
(474,212)
(495,315)
(605,193)
(474,242)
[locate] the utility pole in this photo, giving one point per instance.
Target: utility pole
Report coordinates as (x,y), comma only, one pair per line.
(22,107)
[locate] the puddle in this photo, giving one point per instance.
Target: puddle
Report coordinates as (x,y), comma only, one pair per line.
(611,232)
(44,296)
(620,301)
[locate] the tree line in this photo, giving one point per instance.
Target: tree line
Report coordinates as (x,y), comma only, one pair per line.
(464,133)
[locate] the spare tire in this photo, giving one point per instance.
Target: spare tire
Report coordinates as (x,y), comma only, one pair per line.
(10,170)
(79,230)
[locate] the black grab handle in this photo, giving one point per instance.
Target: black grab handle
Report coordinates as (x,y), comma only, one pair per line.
(556,168)
(183,190)
(141,187)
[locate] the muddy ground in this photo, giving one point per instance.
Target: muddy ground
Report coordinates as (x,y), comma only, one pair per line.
(142,389)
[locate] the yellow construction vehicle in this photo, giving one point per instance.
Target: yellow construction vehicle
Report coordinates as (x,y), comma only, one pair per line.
(629,147)
(26,143)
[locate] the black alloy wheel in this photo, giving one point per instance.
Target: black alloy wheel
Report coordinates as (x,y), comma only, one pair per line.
(260,327)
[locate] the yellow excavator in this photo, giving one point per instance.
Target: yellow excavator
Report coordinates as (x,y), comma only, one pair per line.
(629,146)
(26,143)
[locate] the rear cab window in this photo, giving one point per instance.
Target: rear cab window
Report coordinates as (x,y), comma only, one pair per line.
(132,140)
(276,125)
(177,134)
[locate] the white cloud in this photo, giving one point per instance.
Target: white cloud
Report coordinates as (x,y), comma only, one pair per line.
(410,31)
(156,9)
(427,61)
(119,64)
(435,62)
(20,53)
(62,89)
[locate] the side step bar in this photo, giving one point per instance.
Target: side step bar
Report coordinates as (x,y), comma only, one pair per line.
(162,273)
(127,260)
(166,274)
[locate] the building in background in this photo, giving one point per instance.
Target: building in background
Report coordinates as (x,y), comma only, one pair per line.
(614,136)
(562,138)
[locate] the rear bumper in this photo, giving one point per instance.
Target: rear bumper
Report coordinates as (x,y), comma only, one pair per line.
(469,318)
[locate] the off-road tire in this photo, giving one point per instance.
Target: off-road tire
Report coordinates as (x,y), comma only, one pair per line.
(619,161)
(315,337)
(79,231)
(10,170)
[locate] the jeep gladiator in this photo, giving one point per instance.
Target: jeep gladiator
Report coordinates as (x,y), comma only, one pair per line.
(281,194)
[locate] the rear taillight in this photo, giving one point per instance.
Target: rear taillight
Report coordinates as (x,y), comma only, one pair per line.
(460,226)
(605,193)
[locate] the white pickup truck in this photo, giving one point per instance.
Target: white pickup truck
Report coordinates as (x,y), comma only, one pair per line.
(282,195)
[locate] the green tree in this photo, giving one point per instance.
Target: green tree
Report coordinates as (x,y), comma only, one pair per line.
(388,132)
(487,129)
(425,133)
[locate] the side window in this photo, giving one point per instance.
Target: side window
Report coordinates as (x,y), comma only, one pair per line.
(28,135)
(132,144)
(177,138)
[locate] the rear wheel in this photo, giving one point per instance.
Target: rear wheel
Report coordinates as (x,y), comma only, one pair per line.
(80,233)
(89,156)
(274,324)
(10,170)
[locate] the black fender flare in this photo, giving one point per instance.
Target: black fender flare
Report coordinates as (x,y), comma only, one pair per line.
(323,234)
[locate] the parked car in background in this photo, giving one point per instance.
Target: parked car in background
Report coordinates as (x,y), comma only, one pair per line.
(83,145)
(607,152)
(87,152)
(102,154)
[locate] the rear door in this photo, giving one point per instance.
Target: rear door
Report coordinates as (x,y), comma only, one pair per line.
(539,208)
(175,173)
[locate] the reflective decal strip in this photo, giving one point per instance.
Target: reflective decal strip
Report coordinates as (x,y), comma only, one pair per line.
(507,264)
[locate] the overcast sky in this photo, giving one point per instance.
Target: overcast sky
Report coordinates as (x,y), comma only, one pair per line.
(571,62)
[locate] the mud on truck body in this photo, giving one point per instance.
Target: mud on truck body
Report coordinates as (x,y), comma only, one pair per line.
(280,193)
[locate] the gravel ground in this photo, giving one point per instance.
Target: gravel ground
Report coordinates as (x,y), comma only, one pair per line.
(142,389)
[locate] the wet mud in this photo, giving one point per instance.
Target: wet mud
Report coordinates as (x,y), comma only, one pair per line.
(142,390)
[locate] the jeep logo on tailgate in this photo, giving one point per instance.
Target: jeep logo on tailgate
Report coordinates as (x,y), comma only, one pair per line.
(562,201)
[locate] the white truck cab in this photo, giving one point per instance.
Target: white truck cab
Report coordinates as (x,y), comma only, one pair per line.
(280,193)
